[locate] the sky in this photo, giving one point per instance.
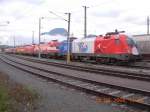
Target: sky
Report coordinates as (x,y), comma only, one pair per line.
(102,16)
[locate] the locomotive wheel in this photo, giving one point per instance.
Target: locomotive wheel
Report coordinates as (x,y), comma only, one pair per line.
(112,60)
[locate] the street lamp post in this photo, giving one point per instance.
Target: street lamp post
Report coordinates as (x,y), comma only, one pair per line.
(14,41)
(40,18)
(148,25)
(32,37)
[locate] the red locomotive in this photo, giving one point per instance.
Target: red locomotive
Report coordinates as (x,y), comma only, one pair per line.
(47,49)
(112,47)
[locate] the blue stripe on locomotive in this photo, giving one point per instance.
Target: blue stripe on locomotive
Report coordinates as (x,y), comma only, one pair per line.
(63,47)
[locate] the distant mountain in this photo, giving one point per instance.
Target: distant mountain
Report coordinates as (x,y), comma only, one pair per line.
(45,33)
(56,31)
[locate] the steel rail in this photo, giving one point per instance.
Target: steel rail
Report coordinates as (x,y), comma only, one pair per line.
(80,86)
(102,71)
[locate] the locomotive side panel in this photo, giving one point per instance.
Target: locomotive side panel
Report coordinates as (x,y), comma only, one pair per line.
(111,45)
(29,49)
(144,47)
(63,48)
(83,46)
(52,47)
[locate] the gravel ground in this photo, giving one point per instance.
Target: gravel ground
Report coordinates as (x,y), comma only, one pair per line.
(56,98)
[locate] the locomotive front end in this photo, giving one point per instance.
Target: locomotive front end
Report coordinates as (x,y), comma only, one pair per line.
(134,50)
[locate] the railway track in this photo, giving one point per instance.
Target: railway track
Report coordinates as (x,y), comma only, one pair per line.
(136,65)
(143,64)
(103,71)
(140,67)
(119,94)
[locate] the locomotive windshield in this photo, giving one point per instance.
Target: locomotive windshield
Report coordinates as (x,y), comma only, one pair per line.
(131,42)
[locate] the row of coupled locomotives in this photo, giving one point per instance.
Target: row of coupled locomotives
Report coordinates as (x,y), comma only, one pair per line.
(109,48)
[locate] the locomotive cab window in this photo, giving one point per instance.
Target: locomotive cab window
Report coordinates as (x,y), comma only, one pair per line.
(131,42)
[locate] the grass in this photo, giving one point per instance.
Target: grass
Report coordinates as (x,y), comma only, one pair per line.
(4,99)
(15,97)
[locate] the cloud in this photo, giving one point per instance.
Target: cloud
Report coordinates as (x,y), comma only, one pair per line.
(35,2)
(111,13)
(135,20)
(102,16)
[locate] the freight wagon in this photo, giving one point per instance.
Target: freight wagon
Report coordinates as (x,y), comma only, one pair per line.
(143,42)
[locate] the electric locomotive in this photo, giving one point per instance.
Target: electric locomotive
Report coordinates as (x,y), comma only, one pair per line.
(112,47)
